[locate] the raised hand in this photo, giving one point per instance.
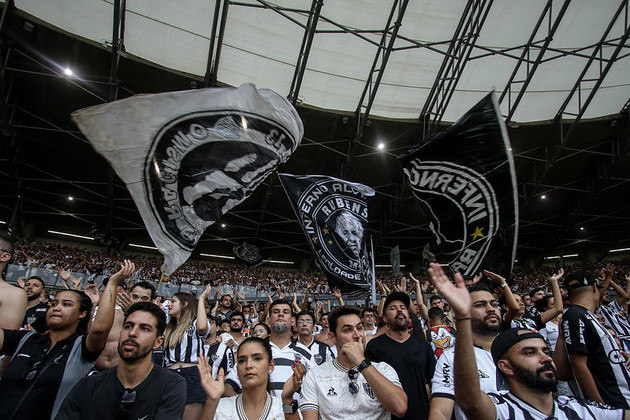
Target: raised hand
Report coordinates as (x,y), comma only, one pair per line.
(294,383)
(214,389)
(558,275)
(456,294)
(336,293)
(495,278)
(93,294)
(126,270)
(123,300)
(206,292)
(381,287)
(158,302)
(21,281)
(478,277)
(608,271)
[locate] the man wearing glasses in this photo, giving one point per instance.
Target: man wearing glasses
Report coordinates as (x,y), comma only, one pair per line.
(350,386)
(305,327)
(136,388)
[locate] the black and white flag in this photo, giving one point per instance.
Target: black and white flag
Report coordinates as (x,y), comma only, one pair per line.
(334,216)
(465,183)
(189,157)
(394,259)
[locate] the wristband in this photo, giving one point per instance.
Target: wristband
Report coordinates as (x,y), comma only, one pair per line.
(290,409)
(504,284)
(365,363)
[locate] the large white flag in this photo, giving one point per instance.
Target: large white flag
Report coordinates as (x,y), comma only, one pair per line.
(189,157)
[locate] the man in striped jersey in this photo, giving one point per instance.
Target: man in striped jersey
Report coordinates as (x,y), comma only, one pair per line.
(305,325)
(523,360)
(597,362)
(612,310)
(283,351)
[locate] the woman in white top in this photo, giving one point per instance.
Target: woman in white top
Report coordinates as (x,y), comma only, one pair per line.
(254,364)
(186,330)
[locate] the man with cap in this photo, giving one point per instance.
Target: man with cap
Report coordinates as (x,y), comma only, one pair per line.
(596,360)
(485,324)
(411,357)
(524,362)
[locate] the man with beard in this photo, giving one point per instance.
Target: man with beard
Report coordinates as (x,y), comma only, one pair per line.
(136,388)
(522,358)
(411,357)
(225,308)
(35,317)
(234,338)
(485,324)
(284,351)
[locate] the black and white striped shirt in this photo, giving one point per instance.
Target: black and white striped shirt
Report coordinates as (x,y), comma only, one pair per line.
(583,334)
(510,407)
(320,351)
(187,351)
(612,313)
(219,356)
(284,358)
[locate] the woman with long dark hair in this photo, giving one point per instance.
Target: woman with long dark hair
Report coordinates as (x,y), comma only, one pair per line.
(44,368)
(186,331)
(253,364)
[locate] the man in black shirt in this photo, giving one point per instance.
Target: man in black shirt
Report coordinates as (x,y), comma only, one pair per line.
(411,357)
(597,361)
(35,310)
(136,388)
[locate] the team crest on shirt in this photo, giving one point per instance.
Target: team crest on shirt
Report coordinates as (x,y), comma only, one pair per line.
(318,359)
(482,374)
(616,356)
(368,390)
(297,356)
(214,357)
(191,331)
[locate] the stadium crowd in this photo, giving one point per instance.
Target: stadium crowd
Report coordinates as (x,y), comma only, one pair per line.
(548,344)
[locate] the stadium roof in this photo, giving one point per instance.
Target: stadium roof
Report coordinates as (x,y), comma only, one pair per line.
(360,72)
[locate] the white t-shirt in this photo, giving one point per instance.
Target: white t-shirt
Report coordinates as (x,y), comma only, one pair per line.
(231,408)
(326,390)
(550,334)
(443,384)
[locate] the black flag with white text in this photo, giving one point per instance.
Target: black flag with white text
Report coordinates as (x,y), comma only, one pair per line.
(465,184)
(334,215)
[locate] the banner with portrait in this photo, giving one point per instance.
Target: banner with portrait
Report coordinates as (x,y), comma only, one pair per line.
(334,216)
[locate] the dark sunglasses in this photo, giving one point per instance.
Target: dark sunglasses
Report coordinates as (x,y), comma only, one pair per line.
(353,374)
(126,405)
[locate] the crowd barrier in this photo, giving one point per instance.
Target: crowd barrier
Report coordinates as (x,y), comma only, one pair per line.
(53,281)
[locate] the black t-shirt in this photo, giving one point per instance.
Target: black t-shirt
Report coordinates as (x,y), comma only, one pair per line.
(36,317)
(414,363)
(583,334)
(162,395)
(70,361)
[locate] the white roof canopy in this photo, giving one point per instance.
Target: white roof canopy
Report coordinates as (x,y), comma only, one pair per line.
(433,68)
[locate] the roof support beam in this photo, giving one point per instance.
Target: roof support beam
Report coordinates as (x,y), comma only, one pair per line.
(622,11)
(531,70)
(216,42)
(305,49)
(379,64)
(462,44)
(118,36)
